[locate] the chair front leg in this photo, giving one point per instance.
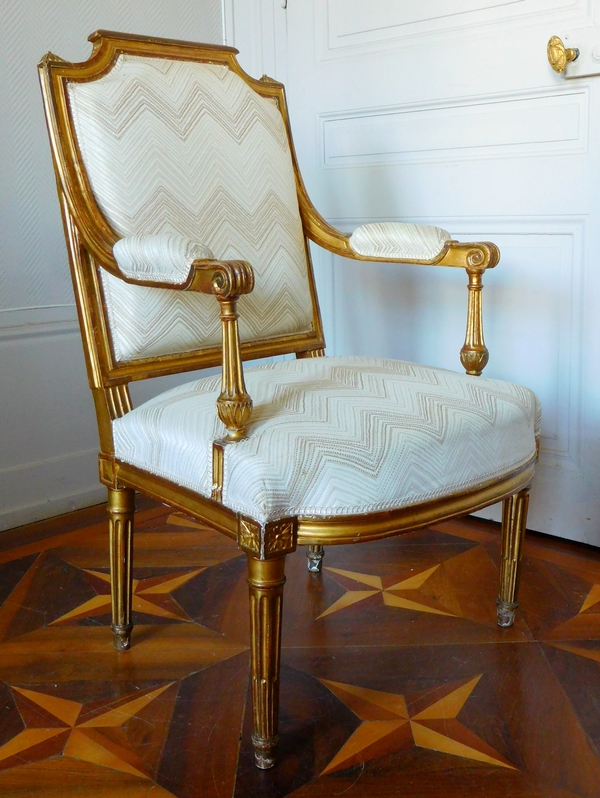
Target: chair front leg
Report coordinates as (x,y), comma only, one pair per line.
(121,509)
(514,521)
(266,579)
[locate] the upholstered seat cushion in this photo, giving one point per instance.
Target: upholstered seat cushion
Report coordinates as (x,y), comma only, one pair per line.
(399,241)
(335,436)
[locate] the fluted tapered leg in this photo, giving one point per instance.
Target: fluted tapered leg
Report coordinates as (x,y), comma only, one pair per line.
(315,556)
(266,579)
(121,509)
(514,521)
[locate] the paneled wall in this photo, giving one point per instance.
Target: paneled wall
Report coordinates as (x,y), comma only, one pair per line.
(48,439)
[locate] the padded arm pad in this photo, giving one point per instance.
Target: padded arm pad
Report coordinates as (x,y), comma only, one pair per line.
(158,258)
(399,241)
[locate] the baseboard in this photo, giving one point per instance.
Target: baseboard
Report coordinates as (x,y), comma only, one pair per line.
(35,491)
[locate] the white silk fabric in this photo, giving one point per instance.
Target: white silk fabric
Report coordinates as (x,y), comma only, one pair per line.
(158,258)
(337,436)
(189,149)
(399,241)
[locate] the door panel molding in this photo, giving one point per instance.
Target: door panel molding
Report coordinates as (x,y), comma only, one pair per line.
(457,119)
(539,122)
(343,29)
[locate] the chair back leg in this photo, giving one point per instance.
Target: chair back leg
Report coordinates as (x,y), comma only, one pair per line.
(266,579)
(514,521)
(315,554)
(121,510)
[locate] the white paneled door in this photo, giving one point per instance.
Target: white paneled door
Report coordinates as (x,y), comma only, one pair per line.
(447,112)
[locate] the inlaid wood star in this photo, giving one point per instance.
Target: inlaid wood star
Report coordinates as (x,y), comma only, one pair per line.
(407,593)
(577,618)
(583,629)
(390,723)
(150,596)
(95,733)
(592,598)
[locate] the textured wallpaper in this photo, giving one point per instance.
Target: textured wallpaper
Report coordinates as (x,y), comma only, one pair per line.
(33,261)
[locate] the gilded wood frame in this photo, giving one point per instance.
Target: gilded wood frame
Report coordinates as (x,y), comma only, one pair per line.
(96,237)
(90,240)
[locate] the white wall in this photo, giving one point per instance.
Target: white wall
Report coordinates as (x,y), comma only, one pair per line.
(48,438)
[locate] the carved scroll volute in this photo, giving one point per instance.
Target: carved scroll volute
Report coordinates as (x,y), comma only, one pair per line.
(474,355)
(234,405)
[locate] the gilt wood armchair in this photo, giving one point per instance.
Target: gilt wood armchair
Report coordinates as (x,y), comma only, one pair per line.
(187,226)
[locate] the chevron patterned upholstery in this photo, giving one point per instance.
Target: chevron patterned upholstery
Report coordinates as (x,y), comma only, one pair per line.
(159,258)
(188,149)
(399,240)
(336,436)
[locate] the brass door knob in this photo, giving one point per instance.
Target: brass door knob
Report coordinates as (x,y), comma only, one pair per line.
(559,56)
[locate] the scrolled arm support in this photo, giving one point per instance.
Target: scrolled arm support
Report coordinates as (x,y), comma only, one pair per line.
(227,281)
(234,405)
(475,258)
(474,354)
(223,278)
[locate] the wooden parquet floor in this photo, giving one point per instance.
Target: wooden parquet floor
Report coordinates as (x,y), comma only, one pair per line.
(395,679)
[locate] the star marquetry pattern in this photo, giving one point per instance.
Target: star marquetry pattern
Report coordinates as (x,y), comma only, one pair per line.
(56,726)
(402,594)
(390,724)
(592,598)
(590,610)
(583,620)
(150,596)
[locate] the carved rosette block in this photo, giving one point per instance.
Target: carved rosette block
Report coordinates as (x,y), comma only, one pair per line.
(266,579)
(271,540)
(121,510)
(107,470)
(514,521)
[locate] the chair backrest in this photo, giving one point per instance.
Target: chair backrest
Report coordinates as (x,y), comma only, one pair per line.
(154,136)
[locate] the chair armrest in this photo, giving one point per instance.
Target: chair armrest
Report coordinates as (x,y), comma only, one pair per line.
(398,242)
(180,264)
(158,258)
(177,263)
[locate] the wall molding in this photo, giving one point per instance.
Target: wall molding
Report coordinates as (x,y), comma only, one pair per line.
(38,490)
(342,32)
(524,123)
(37,321)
